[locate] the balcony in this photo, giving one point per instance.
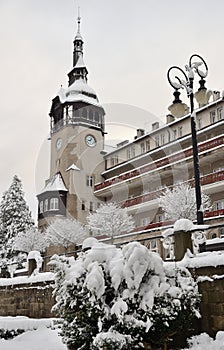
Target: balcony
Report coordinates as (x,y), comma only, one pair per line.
(167,161)
(154,225)
(205,180)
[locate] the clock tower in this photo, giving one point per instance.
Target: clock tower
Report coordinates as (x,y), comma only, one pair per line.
(77,141)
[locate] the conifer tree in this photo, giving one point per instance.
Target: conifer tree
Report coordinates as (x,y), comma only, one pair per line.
(15,217)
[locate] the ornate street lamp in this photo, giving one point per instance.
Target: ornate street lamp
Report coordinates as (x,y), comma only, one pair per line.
(186,80)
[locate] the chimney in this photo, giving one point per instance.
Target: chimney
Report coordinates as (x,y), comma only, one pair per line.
(140,132)
(169,118)
(155,125)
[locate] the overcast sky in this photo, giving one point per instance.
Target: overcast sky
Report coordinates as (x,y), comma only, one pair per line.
(129,46)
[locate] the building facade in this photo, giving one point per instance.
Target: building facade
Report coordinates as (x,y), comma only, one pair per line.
(136,172)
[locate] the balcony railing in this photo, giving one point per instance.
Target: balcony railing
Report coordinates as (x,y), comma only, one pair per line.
(208,214)
(205,180)
(208,145)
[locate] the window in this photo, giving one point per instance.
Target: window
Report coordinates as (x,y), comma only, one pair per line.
(221,232)
(128,153)
(41,206)
(97,118)
(147,144)
(162,139)
(212,117)
(46,205)
(90,115)
(220,113)
(180,131)
(156,141)
(89,181)
(142,146)
(133,151)
(145,221)
(54,204)
(160,218)
(153,245)
(84,113)
(90,206)
(174,134)
(83,205)
(199,123)
(219,205)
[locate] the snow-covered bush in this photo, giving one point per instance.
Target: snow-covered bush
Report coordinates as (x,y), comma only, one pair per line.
(204,342)
(110,219)
(33,239)
(180,202)
(109,293)
(64,232)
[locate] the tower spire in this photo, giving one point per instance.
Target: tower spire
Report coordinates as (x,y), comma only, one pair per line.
(78,35)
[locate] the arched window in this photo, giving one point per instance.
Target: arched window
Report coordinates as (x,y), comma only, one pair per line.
(90,115)
(54,204)
(84,113)
(46,205)
(41,207)
(97,117)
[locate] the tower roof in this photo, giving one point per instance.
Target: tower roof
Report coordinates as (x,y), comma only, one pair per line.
(56,183)
(79,91)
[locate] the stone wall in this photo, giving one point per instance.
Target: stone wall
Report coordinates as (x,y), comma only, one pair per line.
(33,300)
(211,288)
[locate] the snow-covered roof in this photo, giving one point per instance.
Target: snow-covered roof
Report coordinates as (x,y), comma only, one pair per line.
(72,167)
(56,183)
(80,62)
(78,91)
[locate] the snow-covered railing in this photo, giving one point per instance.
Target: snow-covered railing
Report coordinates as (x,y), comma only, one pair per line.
(166,161)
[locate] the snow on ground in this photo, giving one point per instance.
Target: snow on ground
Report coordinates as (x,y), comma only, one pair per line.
(36,336)
(41,339)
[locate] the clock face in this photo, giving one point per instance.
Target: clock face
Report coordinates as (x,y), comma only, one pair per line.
(90,140)
(58,143)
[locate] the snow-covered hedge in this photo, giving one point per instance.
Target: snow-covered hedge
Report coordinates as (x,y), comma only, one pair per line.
(111,296)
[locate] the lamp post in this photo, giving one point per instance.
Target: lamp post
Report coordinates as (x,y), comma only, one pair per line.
(187,82)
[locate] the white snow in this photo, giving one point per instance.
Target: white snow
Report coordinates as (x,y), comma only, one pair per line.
(203,259)
(78,91)
(40,339)
(204,342)
(40,277)
(55,184)
(25,323)
(72,167)
(35,255)
(39,334)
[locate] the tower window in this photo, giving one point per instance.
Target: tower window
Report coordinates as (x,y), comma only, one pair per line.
(54,204)
(84,113)
(89,181)
(83,205)
(97,118)
(90,115)
(46,205)
(41,206)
